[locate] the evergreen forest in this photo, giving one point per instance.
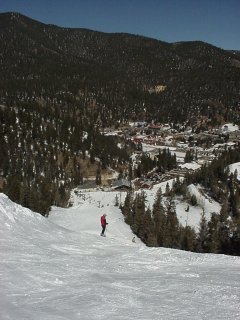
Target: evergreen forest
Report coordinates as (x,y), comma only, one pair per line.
(159,225)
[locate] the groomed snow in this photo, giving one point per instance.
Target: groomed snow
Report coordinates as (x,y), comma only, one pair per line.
(61,269)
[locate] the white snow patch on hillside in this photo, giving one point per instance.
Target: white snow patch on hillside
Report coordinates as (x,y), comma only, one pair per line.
(59,268)
(230,127)
(235,166)
(192,216)
(189,215)
(190,166)
(206,203)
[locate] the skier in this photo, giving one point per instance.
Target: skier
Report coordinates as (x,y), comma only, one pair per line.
(103,224)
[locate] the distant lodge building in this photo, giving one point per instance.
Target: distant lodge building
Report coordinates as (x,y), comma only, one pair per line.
(87,185)
(157,89)
(158,128)
(154,128)
(121,185)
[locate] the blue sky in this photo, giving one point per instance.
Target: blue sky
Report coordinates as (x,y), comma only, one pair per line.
(213,21)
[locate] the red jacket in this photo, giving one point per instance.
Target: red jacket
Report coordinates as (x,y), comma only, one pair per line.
(103,220)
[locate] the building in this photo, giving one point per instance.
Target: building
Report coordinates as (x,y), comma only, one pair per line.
(121,184)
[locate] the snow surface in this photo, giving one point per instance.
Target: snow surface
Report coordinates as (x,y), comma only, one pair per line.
(230,127)
(191,166)
(61,269)
(204,202)
(233,167)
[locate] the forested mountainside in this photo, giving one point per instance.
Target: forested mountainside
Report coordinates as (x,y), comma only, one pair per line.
(59,86)
(118,73)
(45,152)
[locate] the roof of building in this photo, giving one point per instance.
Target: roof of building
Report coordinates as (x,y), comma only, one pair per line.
(121,183)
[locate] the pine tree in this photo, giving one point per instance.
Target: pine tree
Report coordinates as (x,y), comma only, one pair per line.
(225,211)
(13,188)
(188,238)
(24,195)
(98,177)
(148,234)
(213,243)
(235,238)
(172,235)
(128,209)
(159,218)
(117,202)
(167,190)
(189,156)
(202,234)
(139,210)
(130,171)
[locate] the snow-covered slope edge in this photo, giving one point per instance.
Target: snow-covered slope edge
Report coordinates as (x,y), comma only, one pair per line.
(50,272)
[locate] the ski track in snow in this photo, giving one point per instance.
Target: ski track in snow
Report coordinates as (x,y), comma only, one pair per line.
(61,269)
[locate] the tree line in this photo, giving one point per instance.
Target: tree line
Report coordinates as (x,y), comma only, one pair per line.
(42,151)
(159,226)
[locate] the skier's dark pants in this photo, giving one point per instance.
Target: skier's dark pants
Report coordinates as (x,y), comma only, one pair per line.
(103,229)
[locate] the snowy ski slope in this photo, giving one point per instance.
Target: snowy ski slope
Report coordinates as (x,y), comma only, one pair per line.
(61,269)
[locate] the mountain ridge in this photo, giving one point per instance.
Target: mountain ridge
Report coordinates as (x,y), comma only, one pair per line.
(116,69)
(17,15)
